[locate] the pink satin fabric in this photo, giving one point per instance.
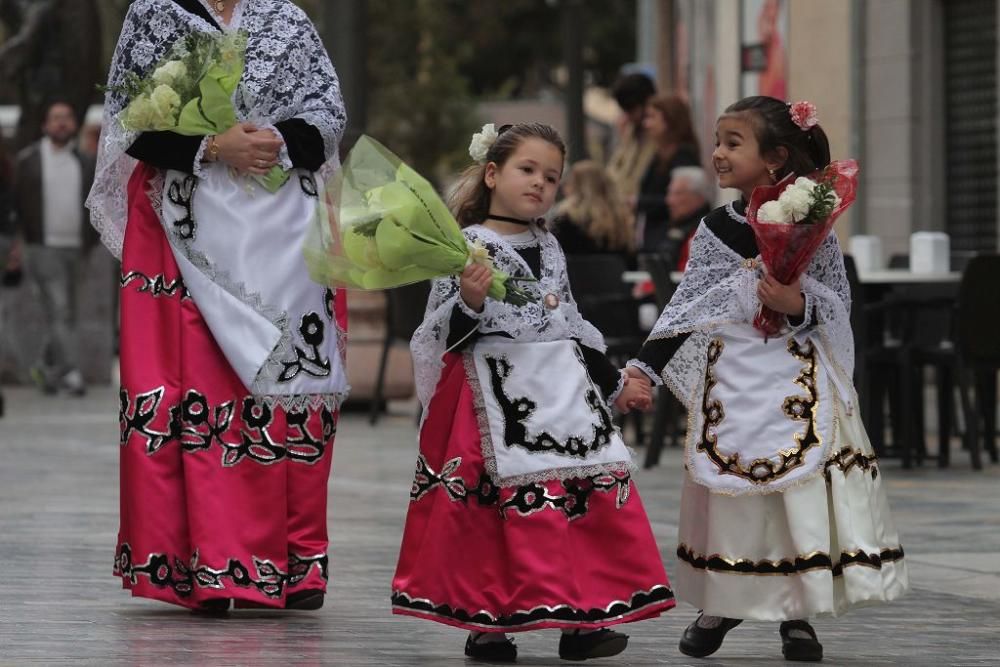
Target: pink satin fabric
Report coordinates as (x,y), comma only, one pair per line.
(474,557)
(221,495)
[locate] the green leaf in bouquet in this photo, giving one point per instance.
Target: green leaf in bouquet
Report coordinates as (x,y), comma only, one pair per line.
(436,221)
(400,246)
(273,179)
(385,278)
(367,228)
(360,250)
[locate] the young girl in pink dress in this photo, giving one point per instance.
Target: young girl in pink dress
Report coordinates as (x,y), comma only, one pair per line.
(523,513)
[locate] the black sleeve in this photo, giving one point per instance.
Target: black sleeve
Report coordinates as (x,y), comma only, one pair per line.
(657,353)
(305,144)
(601,370)
(798,321)
(459,328)
(166,150)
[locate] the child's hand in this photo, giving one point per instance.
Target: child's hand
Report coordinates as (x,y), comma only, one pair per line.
(785,299)
(473,284)
(636,394)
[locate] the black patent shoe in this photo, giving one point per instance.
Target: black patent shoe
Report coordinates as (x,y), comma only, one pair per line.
(802,649)
(603,643)
(699,642)
(307,600)
(504,651)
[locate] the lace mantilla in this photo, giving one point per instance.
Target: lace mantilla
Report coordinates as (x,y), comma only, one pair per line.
(720,287)
(287,75)
(532,322)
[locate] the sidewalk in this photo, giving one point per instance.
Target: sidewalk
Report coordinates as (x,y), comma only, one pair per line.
(60,605)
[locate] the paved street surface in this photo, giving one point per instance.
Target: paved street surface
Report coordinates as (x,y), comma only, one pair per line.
(60,605)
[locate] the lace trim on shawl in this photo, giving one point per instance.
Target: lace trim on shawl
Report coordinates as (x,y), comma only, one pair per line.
(653,376)
(734,214)
(720,288)
(618,388)
(529,323)
(288,74)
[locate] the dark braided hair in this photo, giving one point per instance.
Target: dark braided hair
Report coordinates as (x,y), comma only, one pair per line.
(470,201)
(808,150)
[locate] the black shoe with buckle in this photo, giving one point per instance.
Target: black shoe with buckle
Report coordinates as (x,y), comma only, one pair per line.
(504,651)
(601,643)
(799,648)
(699,642)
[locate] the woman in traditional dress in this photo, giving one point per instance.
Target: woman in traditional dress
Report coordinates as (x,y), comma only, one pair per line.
(232,360)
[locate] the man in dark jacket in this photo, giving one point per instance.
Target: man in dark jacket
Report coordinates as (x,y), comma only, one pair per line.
(52,179)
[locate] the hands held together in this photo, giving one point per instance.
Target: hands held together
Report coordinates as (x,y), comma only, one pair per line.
(637,394)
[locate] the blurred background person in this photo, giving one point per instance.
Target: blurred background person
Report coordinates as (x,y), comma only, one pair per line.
(52,237)
(689,199)
(667,123)
(633,152)
(593,218)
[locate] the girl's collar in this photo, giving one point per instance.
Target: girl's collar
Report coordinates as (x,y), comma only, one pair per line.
(737,210)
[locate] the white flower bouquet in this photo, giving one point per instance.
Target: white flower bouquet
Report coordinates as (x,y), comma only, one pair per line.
(790,220)
(190,92)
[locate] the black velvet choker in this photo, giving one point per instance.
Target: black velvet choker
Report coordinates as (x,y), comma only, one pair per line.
(504,218)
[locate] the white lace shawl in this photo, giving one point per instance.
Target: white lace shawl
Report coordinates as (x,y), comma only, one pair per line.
(532,322)
(287,75)
(720,287)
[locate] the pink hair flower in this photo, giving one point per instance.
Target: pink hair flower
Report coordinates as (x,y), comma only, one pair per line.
(803,114)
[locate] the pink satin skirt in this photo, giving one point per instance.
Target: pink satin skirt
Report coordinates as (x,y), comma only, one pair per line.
(558,554)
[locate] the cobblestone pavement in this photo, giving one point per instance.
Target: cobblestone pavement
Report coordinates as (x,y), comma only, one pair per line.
(59,603)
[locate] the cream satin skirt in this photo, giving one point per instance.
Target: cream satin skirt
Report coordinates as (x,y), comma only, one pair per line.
(820,547)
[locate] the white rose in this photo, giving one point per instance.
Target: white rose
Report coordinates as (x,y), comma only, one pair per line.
(482,142)
(804,183)
(166,102)
(772,211)
(169,73)
(796,203)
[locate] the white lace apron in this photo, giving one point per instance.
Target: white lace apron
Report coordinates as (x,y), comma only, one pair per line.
(762,416)
(533,428)
(275,326)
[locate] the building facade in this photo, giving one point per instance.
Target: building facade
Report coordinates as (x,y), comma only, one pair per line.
(908,87)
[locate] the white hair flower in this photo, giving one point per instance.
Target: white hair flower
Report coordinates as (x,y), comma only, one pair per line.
(481,143)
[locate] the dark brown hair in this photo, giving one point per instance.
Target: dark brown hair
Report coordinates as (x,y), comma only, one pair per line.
(677,114)
(470,200)
(773,127)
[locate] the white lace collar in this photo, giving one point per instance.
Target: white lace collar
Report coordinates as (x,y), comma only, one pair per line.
(734,214)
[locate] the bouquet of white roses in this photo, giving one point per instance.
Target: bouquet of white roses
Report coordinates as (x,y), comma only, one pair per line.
(803,202)
(190,92)
(790,220)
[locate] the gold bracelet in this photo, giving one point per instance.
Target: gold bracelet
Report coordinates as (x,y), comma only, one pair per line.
(213,149)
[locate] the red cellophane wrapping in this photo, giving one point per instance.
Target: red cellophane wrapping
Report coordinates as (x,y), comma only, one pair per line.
(787,248)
